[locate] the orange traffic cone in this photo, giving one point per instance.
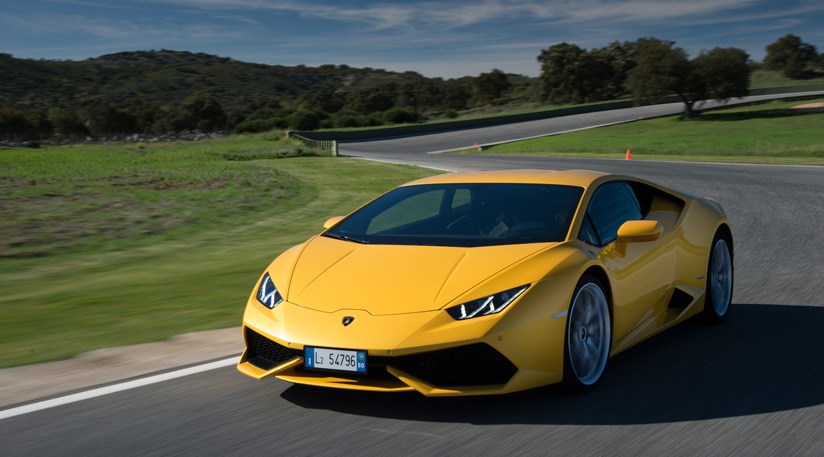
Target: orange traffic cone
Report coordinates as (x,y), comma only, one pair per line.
(629,155)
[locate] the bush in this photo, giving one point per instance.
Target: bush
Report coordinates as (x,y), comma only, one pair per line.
(450,113)
(304,120)
(350,119)
(273,135)
(400,116)
(256,125)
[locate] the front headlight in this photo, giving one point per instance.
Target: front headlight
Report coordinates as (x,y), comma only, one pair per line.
(267,293)
(488,305)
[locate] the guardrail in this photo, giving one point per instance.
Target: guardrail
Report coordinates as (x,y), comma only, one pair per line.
(420,129)
(314,143)
(787,89)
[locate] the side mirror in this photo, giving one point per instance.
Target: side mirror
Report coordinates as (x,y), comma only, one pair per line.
(332,221)
(639,231)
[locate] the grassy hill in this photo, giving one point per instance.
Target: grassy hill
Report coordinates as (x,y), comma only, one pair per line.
(164,91)
(168,77)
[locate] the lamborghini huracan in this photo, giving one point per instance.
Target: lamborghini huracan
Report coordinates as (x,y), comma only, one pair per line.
(488,282)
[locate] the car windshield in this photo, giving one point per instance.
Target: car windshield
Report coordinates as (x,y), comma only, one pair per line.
(466,214)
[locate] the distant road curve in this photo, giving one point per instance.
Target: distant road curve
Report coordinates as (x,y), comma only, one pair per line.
(467,138)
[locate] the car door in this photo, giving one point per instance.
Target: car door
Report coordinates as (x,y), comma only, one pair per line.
(641,273)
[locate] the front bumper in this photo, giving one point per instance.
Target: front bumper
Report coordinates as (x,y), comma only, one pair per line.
(427,352)
(476,366)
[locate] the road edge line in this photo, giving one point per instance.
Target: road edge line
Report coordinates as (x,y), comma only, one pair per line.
(114,388)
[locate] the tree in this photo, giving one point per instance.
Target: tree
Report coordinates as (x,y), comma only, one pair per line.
(614,62)
(64,121)
(142,112)
(327,100)
(15,122)
(456,93)
(662,69)
(491,86)
(724,73)
(102,118)
(563,72)
(791,56)
(400,116)
(304,119)
(369,100)
(572,74)
(204,111)
(171,119)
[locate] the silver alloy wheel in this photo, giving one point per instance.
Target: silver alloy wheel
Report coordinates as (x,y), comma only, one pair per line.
(721,277)
(588,334)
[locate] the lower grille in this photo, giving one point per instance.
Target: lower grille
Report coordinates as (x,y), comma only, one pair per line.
(265,353)
(474,365)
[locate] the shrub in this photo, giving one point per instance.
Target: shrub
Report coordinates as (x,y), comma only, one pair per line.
(350,119)
(303,119)
(400,116)
(450,113)
(255,126)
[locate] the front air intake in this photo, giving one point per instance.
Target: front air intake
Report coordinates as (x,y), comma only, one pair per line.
(474,365)
(265,353)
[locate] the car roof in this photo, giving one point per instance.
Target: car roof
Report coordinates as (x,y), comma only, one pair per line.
(582,178)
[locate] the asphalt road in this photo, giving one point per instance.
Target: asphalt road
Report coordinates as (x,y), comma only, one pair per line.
(467,138)
(753,386)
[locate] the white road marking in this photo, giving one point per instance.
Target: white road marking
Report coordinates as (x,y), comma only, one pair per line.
(496,143)
(106,390)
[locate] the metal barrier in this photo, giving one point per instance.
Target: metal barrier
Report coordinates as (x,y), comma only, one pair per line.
(324,145)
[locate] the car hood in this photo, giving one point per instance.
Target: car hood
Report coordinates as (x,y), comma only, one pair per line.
(332,275)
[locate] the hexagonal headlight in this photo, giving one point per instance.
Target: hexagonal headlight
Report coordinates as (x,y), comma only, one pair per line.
(267,293)
(485,306)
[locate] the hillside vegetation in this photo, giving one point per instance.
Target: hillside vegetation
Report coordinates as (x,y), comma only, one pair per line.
(157,92)
(163,91)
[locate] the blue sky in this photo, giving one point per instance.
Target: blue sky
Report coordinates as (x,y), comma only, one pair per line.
(435,38)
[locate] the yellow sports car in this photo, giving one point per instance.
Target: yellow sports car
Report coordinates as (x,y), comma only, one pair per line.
(487,283)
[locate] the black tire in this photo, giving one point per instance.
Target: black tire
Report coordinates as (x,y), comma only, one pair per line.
(588,335)
(720,280)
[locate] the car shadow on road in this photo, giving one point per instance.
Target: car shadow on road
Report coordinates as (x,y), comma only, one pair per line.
(765,358)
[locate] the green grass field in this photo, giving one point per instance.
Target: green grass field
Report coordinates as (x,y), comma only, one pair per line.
(770,78)
(118,244)
(765,133)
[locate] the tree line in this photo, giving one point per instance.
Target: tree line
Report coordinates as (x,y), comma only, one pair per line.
(650,69)
(300,98)
(333,97)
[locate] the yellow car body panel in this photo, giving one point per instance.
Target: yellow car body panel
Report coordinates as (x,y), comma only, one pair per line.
(396,296)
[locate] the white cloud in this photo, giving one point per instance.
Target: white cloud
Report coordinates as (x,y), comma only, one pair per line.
(123,30)
(47,23)
(453,14)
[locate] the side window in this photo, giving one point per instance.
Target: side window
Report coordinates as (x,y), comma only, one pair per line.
(461,201)
(587,233)
(613,204)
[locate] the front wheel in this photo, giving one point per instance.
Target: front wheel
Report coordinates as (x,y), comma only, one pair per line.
(588,336)
(719,280)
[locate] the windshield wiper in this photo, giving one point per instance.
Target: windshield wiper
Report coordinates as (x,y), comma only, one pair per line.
(338,236)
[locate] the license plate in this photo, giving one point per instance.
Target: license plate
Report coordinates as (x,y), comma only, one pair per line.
(335,359)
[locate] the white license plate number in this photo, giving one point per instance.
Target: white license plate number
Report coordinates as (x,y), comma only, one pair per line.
(335,359)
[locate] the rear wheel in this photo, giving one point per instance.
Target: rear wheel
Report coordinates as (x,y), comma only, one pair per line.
(588,335)
(719,280)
